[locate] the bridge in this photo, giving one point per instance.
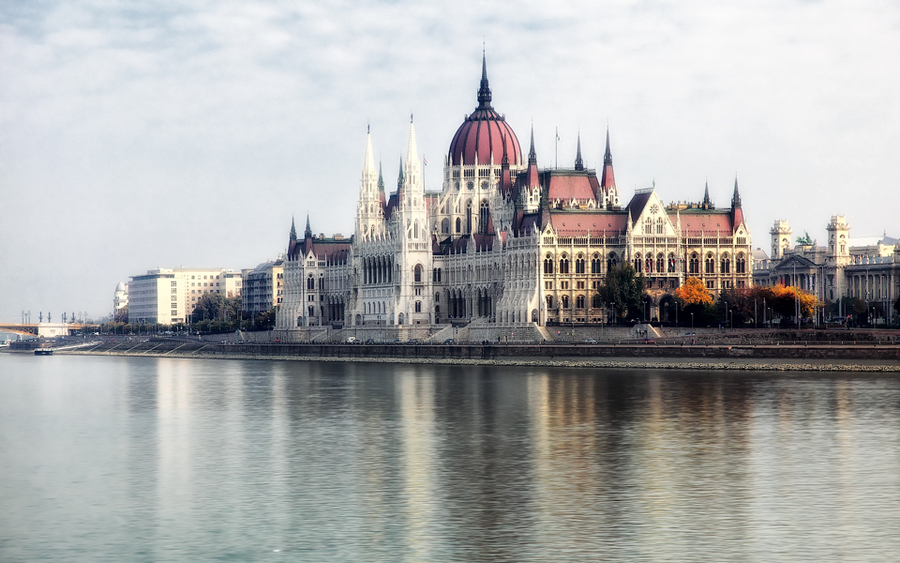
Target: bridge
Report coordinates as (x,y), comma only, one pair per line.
(45,329)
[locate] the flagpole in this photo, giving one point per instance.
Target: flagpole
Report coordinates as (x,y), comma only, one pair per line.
(557,148)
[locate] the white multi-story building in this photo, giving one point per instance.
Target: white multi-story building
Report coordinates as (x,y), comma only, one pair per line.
(263,287)
(168,296)
(503,241)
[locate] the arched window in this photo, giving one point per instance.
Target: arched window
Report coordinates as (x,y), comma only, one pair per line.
(415,235)
(710,264)
(595,264)
(548,264)
(660,226)
(648,226)
(458,225)
(469,217)
(660,263)
(694,264)
(638,263)
(671,268)
(579,302)
(417,273)
(725,268)
(312,311)
(564,264)
(649,264)
(565,301)
(579,264)
(612,261)
(310,282)
(484,214)
(418,306)
(445,226)
(549,301)
(740,264)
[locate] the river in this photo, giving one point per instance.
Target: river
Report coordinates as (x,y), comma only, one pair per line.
(155,459)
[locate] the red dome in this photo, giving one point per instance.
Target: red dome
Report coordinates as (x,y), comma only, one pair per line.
(484,133)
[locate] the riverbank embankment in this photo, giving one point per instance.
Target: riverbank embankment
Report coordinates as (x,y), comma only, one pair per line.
(853,357)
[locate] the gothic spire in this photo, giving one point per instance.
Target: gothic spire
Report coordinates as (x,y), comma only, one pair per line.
(484,92)
(736,198)
(400,178)
(532,156)
(607,156)
(293,230)
(579,163)
(307,234)
(380,178)
(707,203)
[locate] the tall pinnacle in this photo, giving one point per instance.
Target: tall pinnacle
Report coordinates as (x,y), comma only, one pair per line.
(579,163)
(607,156)
(736,198)
(532,156)
(308,232)
(484,92)
(400,178)
(369,166)
(293,230)
(380,178)
(707,203)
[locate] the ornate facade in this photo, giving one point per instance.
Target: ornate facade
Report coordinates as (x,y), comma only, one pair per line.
(503,241)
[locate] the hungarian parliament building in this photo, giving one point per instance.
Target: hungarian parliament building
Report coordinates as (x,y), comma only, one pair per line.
(504,241)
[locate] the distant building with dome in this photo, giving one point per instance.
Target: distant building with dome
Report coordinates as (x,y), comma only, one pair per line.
(504,243)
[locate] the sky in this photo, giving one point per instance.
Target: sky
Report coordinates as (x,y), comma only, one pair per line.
(137,135)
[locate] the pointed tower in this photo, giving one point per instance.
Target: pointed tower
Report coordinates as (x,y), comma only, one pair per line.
(579,163)
(608,180)
(707,203)
(737,214)
(781,239)
(307,234)
(369,212)
(293,230)
(530,193)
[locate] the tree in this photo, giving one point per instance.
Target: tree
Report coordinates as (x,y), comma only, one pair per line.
(625,291)
(214,306)
(693,292)
(121,315)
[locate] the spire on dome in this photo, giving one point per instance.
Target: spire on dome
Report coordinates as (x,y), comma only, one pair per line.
(484,92)
(293,229)
(736,198)
(579,163)
(307,234)
(532,156)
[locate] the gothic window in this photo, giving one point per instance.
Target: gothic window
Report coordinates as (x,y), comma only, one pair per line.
(484,215)
(458,225)
(549,302)
(660,263)
(564,264)
(740,265)
(312,311)
(649,264)
(415,229)
(469,217)
(725,268)
(548,264)
(445,227)
(710,264)
(671,267)
(417,273)
(694,264)
(565,301)
(595,264)
(611,261)
(418,306)
(437,297)
(579,264)
(648,226)
(660,226)
(579,302)
(310,282)
(638,263)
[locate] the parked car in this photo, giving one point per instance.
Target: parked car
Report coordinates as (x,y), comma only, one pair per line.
(590,341)
(350,340)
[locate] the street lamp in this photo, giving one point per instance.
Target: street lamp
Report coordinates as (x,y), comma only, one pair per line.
(692,322)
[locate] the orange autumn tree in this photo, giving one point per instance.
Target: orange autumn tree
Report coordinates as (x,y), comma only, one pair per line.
(784,300)
(693,292)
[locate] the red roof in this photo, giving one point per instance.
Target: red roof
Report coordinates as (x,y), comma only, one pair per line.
(483,134)
(594,224)
(707,222)
(571,186)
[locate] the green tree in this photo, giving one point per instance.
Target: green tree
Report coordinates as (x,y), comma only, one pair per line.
(625,291)
(217,307)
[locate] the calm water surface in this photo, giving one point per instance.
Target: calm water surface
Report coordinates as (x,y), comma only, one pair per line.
(145,459)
